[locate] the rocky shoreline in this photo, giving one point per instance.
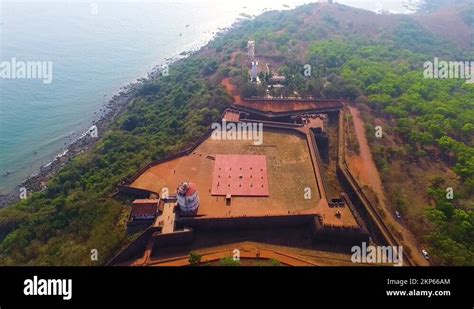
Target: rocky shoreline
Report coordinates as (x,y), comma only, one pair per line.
(38,181)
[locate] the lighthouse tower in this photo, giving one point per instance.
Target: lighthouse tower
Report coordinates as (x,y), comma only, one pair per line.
(254,71)
(188,198)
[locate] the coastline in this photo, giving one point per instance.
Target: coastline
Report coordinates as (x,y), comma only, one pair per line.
(37,182)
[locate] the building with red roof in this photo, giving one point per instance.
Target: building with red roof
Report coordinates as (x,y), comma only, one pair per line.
(143,209)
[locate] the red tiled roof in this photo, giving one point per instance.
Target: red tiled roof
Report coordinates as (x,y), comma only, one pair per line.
(231,116)
(191,189)
(139,210)
(144,207)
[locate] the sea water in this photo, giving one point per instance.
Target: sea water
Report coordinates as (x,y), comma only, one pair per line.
(95,48)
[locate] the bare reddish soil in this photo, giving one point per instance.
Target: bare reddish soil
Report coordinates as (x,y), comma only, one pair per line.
(363,167)
(231,90)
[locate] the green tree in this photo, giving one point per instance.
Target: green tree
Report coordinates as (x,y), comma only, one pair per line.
(194,258)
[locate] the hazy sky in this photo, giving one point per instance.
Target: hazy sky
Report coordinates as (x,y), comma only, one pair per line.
(373,5)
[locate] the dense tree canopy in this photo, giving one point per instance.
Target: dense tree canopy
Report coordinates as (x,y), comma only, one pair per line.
(77,212)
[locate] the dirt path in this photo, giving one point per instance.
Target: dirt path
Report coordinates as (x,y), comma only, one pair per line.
(231,90)
(363,166)
(364,169)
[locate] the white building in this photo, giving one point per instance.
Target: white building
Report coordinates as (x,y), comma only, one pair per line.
(254,71)
(188,199)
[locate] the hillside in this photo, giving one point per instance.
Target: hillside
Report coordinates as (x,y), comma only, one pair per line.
(375,61)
